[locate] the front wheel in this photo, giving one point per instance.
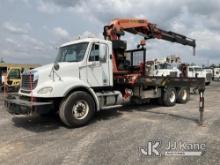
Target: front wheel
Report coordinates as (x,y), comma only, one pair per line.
(77,109)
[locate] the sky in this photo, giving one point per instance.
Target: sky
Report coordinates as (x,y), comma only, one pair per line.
(32,30)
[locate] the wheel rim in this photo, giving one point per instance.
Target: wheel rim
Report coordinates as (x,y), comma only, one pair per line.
(172,96)
(80,110)
(184,95)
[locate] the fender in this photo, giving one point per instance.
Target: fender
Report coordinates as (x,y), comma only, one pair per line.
(86,89)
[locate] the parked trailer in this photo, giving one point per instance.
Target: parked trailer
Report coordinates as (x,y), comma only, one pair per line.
(93,74)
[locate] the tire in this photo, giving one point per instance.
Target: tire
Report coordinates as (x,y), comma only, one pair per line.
(169,97)
(183,95)
(77,109)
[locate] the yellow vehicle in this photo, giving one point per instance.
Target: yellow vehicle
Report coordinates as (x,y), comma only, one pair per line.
(13,76)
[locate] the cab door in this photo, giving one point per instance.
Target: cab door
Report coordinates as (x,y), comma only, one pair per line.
(190,72)
(98,74)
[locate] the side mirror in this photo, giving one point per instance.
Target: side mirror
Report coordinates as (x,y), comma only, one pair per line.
(102,53)
(56,66)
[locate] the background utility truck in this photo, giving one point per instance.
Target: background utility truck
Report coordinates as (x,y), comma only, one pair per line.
(164,67)
(171,66)
(93,74)
(216,74)
(198,71)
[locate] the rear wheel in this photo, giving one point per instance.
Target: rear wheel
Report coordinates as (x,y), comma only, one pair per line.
(169,97)
(183,95)
(77,109)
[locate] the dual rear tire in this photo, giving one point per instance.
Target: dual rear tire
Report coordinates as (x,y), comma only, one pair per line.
(171,96)
(183,95)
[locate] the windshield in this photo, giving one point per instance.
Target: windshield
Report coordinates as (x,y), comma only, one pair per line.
(72,53)
(165,66)
(14,74)
(198,69)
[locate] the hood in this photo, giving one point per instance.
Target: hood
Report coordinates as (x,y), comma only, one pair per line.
(46,72)
(43,68)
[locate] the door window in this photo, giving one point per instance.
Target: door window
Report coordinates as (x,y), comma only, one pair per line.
(191,69)
(98,52)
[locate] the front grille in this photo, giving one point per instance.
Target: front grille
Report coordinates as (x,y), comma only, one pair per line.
(27,82)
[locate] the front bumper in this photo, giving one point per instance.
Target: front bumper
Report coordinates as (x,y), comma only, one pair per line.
(15,105)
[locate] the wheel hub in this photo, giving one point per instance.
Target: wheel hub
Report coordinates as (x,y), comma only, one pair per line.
(172,96)
(80,110)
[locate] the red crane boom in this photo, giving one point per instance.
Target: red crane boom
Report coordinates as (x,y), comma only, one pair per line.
(143,28)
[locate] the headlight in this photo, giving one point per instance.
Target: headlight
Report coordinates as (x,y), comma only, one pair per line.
(45,90)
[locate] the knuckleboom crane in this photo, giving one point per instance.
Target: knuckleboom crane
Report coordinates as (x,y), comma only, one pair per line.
(147,30)
(143,28)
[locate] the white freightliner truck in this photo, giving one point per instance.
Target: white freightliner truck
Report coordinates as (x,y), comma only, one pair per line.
(93,74)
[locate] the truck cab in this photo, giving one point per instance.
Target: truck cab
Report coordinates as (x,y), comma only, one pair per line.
(84,63)
(216,74)
(197,71)
(167,69)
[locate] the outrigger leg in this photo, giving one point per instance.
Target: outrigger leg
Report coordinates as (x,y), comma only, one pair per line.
(201,106)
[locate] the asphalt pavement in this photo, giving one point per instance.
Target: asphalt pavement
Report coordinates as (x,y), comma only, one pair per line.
(115,136)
